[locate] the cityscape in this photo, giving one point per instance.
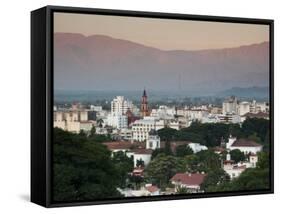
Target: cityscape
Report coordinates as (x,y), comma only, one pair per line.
(135,131)
(145,107)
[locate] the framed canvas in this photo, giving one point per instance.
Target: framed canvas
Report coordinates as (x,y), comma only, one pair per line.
(134,106)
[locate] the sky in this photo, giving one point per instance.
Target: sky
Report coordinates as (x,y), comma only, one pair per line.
(165,34)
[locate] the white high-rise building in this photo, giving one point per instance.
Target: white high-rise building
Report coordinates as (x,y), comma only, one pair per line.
(230,106)
(118,118)
(118,121)
(120,106)
(244,108)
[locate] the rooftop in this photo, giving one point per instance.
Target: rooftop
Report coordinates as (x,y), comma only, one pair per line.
(245,143)
(152,188)
(189,178)
(123,145)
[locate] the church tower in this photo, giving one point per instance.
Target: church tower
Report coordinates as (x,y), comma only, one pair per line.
(144,105)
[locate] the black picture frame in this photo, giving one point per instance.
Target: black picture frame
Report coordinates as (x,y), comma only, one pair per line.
(42,102)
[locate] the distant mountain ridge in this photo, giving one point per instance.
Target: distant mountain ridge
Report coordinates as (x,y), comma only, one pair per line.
(251,92)
(102,62)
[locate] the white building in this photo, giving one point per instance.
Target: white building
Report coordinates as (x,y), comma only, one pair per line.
(244,145)
(140,154)
(125,134)
(96,108)
(147,190)
(235,170)
(174,124)
(72,121)
(191,181)
(118,121)
(119,106)
(153,141)
(196,114)
(196,147)
(142,127)
(244,108)
(230,106)
(228,118)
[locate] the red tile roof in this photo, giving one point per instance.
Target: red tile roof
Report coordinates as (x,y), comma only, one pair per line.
(142,151)
(118,145)
(123,145)
(152,188)
(189,179)
(245,143)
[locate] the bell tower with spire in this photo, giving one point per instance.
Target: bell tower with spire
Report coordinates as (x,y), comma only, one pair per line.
(144,105)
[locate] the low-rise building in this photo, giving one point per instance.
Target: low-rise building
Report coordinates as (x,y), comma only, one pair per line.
(196,147)
(142,127)
(153,141)
(244,145)
(191,181)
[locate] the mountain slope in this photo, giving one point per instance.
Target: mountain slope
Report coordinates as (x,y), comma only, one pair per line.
(101,62)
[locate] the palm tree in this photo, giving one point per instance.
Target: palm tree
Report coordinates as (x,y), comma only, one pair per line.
(181,190)
(100,122)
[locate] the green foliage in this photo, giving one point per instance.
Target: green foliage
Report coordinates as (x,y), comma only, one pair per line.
(183,150)
(99,138)
(140,163)
(92,132)
(166,134)
(83,170)
(100,123)
(192,163)
(209,161)
(255,138)
(237,155)
(251,179)
(135,181)
(256,126)
(160,151)
(263,160)
(181,190)
(162,168)
(214,178)
(123,165)
(210,134)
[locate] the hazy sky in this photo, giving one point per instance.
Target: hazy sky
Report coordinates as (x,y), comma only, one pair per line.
(164,33)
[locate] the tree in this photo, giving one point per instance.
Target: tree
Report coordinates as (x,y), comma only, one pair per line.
(183,150)
(100,123)
(92,132)
(251,179)
(166,134)
(160,151)
(181,190)
(140,163)
(82,170)
(256,125)
(124,165)
(191,163)
(208,161)
(135,181)
(254,137)
(214,178)
(162,168)
(263,160)
(237,156)
(99,138)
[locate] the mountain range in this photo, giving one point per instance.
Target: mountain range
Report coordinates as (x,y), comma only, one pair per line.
(100,62)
